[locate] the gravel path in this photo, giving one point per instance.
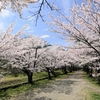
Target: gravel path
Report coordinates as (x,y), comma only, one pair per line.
(73,87)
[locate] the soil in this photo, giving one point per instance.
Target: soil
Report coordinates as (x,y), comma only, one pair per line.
(73,87)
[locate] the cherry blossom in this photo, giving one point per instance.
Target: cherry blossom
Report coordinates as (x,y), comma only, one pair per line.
(6,45)
(82,28)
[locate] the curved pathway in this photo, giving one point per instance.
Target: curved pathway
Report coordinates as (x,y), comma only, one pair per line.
(73,87)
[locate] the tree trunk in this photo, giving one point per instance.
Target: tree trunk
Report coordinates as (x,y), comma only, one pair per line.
(30,80)
(49,76)
(29,75)
(64,70)
(70,69)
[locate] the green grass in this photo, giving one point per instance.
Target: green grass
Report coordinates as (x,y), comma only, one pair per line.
(39,75)
(92,80)
(94,94)
(40,80)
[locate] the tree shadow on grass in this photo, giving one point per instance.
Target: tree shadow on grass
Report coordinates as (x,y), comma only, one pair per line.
(7,92)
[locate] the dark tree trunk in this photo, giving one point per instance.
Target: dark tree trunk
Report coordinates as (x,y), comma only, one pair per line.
(29,75)
(30,80)
(64,70)
(70,69)
(48,71)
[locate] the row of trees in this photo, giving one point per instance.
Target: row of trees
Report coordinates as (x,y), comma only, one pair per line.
(11,46)
(82,28)
(32,54)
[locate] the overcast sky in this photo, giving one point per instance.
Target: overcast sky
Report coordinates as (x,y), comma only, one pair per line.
(41,30)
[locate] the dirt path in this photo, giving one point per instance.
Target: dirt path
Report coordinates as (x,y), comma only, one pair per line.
(74,87)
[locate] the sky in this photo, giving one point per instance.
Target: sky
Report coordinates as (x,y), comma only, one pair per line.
(41,29)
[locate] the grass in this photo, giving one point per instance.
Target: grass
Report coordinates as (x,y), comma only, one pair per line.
(92,80)
(40,80)
(95,95)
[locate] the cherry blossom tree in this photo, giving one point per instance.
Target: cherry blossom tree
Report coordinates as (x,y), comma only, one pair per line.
(49,60)
(6,43)
(25,55)
(83,27)
(32,54)
(19,5)
(54,58)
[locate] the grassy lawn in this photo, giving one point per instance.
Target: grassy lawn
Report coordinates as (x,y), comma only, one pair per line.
(40,80)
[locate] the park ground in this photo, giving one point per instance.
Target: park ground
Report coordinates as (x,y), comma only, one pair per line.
(75,86)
